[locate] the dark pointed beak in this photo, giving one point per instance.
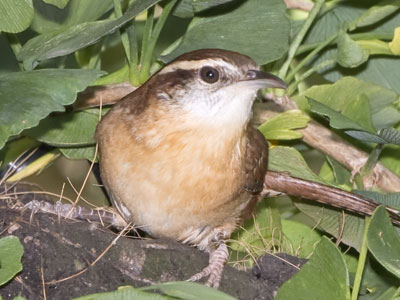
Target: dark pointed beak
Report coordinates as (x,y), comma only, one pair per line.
(269,80)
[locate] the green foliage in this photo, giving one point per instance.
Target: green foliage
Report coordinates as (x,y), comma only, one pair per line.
(384,241)
(124,293)
(302,239)
(11,252)
(67,130)
(258,235)
(71,39)
(325,267)
(244,25)
(18,17)
(189,291)
(58,3)
(49,89)
(281,126)
(48,18)
(286,159)
(171,290)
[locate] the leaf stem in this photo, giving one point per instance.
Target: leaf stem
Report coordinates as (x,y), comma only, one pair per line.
(124,36)
(15,47)
(95,54)
(310,56)
(354,36)
(372,161)
(293,87)
(148,28)
(129,41)
(299,37)
(134,55)
(147,51)
(361,261)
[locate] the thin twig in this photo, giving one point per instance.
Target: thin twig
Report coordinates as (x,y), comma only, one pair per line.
(42,278)
(300,36)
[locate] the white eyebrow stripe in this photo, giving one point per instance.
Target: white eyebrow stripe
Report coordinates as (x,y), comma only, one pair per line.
(197,64)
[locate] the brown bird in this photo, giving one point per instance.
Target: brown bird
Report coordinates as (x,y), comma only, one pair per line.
(178,156)
(180,160)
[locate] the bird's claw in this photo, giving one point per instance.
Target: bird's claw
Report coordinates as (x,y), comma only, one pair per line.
(214,270)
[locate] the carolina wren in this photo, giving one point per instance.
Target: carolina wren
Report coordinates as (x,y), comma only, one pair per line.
(178,156)
(180,160)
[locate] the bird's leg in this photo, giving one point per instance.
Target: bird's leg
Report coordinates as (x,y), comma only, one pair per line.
(218,258)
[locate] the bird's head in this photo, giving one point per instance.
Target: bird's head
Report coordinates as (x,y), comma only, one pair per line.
(212,84)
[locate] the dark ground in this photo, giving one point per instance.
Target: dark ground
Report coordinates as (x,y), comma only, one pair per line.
(59,249)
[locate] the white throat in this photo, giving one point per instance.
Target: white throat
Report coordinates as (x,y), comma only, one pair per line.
(229,106)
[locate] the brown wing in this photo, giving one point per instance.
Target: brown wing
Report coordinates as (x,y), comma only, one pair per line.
(256,161)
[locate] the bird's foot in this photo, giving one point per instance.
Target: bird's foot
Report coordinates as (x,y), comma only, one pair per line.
(218,258)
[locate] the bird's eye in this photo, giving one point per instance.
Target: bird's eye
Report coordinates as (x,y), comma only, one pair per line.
(209,74)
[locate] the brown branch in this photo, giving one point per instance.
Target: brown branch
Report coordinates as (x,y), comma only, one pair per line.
(109,94)
(321,193)
(328,142)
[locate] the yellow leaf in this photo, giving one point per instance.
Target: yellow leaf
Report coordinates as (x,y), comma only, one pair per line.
(394,45)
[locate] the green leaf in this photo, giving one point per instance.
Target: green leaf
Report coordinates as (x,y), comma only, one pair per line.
(288,159)
(390,157)
(58,3)
(325,267)
(327,173)
(68,40)
(390,199)
(16,15)
(377,283)
(385,136)
(344,13)
(384,242)
(260,233)
(331,220)
(79,153)
(332,171)
(336,119)
(49,18)
(15,148)
(38,94)
(189,291)
(302,238)
(200,5)
(342,175)
(187,8)
(258,28)
(359,111)
(375,47)
(11,252)
(394,45)
(350,54)
(66,130)
(376,13)
(349,89)
(390,293)
(280,126)
(124,293)
(390,135)
(365,136)
(379,70)
(184,9)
